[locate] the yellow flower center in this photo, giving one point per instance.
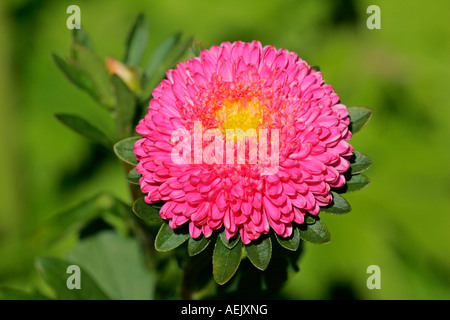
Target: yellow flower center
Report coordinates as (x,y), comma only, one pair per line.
(241,114)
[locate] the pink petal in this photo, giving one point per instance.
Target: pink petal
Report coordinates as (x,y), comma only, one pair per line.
(194,231)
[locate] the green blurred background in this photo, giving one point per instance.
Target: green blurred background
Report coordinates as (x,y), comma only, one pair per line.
(400,222)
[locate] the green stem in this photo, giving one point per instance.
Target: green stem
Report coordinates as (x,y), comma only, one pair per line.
(142,231)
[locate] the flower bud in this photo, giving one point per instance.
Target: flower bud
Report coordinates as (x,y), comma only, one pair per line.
(127,74)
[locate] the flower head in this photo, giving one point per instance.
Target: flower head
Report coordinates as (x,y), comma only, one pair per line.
(243,137)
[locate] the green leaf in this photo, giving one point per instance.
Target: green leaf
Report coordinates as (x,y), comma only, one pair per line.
(359,162)
(229,244)
(181,52)
(359,117)
(54,272)
(310,219)
(338,206)
(157,65)
(124,150)
(125,106)
(168,239)
(133,176)
(136,42)
(82,38)
(71,220)
(260,252)
(196,48)
(146,211)
(291,243)
(76,76)
(195,246)
(84,128)
(95,68)
(225,261)
(160,54)
(356,182)
(116,264)
(316,233)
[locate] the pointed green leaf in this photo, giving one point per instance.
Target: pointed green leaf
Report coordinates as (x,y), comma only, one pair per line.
(84,128)
(157,64)
(356,182)
(359,162)
(260,252)
(133,176)
(168,239)
(316,233)
(54,272)
(125,106)
(176,51)
(76,76)
(338,206)
(225,261)
(146,211)
(94,67)
(233,241)
(181,51)
(70,221)
(291,243)
(161,53)
(136,42)
(196,48)
(195,246)
(116,264)
(124,150)
(81,37)
(359,117)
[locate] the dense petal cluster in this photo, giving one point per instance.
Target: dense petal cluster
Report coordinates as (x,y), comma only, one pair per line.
(249,86)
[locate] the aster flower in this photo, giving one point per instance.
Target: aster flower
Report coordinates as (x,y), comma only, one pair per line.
(249,87)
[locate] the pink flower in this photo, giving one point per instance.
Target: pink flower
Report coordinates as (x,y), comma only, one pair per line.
(243,86)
